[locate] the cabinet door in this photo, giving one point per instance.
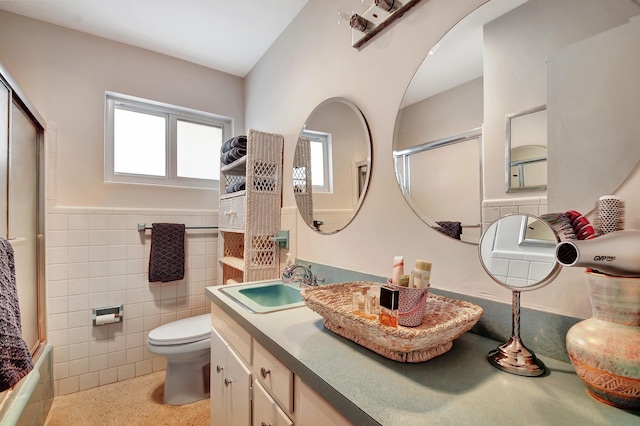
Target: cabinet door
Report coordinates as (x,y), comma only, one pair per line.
(312,409)
(238,390)
(265,410)
(219,352)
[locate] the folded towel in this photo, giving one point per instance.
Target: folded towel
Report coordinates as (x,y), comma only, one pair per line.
(232,155)
(15,358)
(166,261)
(452,229)
(235,187)
(235,142)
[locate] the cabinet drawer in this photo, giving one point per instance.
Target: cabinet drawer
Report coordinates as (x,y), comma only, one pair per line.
(276,378)
(265,410)
(239,339)
(231,213)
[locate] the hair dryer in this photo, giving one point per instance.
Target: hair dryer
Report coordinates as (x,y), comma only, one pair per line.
(615,253)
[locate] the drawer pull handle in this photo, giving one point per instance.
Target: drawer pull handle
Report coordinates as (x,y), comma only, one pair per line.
(227,382)
(265,424)
(219,368)
(264,372)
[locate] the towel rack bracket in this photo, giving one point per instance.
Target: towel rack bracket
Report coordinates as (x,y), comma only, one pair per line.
(282,238)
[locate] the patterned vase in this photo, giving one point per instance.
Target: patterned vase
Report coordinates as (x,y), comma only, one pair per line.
(605,349)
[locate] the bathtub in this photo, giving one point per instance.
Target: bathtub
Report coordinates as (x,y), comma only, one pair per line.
(30,401)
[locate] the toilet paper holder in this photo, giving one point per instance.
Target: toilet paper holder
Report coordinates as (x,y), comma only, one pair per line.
(107,315)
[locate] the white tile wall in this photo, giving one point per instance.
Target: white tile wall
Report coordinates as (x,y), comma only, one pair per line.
(96,257)
(520,268)
(493,210)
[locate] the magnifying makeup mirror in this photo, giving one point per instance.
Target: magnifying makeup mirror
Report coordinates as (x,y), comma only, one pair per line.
(518,252)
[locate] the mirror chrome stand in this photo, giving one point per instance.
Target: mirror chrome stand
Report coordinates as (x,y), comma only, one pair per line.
(513,357)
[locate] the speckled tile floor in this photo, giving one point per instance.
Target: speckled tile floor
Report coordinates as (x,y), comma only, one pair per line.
(133,402)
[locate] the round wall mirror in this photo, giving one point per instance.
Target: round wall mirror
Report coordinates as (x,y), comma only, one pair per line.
(515,63)
(518,252)
(332,165)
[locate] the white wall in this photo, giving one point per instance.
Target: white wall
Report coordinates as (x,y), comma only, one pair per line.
(313,61)
(65,74)
(446,114)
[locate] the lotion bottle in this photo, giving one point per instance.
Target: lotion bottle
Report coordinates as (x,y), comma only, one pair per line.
(398,269)
(421,274)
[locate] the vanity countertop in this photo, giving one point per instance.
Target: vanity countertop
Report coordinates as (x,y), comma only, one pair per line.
(459,387)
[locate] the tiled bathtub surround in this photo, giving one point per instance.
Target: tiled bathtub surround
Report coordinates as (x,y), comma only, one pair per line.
(97,257)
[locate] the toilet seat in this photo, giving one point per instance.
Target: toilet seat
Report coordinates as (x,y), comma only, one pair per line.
(180,332)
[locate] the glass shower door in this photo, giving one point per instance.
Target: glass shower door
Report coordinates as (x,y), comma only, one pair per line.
(23,218)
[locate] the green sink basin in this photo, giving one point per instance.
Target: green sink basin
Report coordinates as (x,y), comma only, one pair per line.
(266,296)
(273,295)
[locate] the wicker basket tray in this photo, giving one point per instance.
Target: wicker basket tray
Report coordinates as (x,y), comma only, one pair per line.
(445,319)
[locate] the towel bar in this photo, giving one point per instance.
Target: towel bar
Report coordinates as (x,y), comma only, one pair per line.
(143,227)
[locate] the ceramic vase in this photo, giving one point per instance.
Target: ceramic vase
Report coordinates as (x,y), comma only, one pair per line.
(605,349)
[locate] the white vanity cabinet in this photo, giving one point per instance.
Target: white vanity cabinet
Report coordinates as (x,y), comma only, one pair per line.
(277,397)
(230,385)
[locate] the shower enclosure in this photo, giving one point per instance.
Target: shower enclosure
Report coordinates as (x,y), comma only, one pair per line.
(22,224)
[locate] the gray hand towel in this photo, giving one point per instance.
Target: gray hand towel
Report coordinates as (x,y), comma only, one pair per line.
(166,261)
(15,358)
(234,142)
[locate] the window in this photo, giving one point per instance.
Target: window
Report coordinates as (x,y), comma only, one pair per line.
(321,170)
(148,142)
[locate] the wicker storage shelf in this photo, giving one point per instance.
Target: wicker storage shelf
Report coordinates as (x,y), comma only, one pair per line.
(445,320)
(249,218)
(233,195)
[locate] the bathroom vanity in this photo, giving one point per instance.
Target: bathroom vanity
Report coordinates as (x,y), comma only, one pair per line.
(304,374)
(249,385)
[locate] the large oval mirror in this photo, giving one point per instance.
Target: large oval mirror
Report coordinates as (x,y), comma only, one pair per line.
(566,65)
(332,165)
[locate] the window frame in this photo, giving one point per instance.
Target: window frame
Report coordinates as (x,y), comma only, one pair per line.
(325,139)
(172,114)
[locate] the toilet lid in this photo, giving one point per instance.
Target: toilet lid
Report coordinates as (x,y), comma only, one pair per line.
(187,330)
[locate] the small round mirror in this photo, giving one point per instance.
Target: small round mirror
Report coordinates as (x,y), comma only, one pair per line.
(518,252)
(332,165)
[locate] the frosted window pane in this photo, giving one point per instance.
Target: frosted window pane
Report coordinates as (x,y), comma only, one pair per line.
(139,142)
(317,163)
(198,150)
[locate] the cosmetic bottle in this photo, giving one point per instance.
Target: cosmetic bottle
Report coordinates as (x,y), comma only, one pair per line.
(615,253)
(389,306)
(372,303)
(404,280)
(358,300)
(420,274)
(398,269)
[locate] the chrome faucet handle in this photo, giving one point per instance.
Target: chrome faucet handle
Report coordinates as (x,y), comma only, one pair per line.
(315,280)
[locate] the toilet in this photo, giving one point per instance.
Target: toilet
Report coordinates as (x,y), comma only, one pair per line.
(186,344)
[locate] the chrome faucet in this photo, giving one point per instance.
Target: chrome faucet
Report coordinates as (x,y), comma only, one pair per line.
(308,278)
